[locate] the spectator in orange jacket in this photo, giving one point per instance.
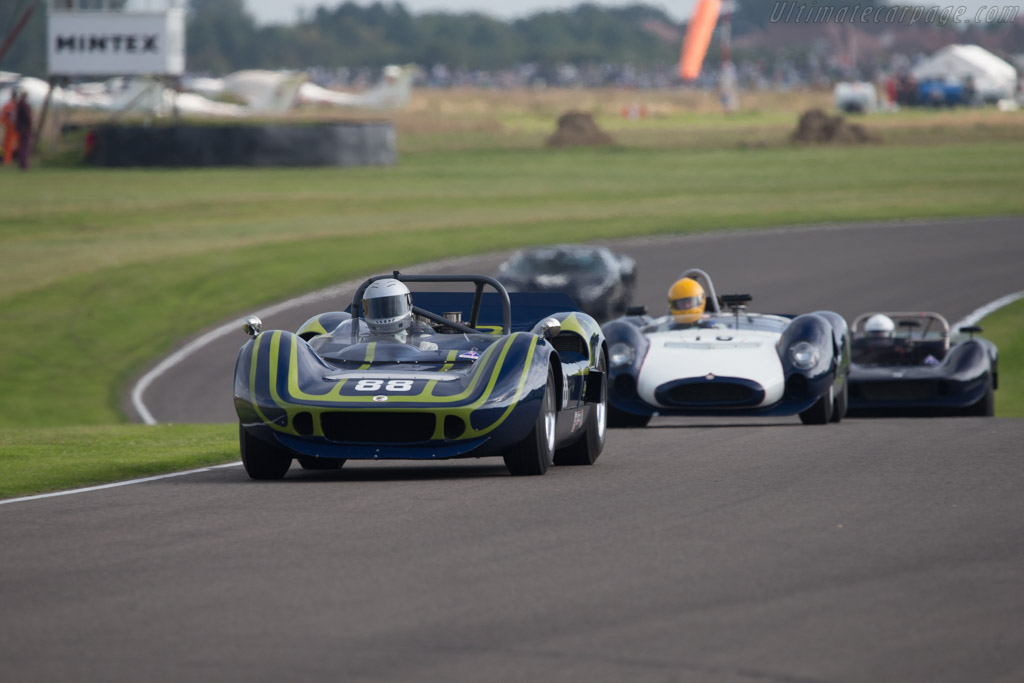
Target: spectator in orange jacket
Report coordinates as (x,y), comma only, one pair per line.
(7,119)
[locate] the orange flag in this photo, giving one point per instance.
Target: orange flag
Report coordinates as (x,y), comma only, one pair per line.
(698,37)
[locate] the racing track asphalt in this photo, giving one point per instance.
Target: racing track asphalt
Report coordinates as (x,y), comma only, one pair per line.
(695,550)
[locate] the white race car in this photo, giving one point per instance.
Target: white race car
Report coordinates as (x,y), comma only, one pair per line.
(730,362)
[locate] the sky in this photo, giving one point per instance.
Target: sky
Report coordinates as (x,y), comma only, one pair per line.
(286,11)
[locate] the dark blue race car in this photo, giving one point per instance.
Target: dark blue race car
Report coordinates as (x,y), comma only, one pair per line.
(479,373)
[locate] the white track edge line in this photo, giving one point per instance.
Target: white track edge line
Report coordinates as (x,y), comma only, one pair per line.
(117,484)
(989,308)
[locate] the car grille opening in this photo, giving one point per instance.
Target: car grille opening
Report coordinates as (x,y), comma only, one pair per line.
(567,342)
(303,423)
(911,390)
(710,393)
(454,426)
(369,427)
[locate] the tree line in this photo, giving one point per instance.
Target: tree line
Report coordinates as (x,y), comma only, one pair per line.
(221,36)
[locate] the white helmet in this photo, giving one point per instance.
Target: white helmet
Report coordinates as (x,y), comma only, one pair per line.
(387,306)
(880,325)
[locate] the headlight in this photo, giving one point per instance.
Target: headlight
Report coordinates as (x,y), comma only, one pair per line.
(804,355)
(621,354)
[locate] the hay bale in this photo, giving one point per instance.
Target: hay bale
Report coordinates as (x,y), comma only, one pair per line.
(815,127)
(576,128)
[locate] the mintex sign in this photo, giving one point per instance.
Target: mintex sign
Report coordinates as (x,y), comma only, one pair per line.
(116,43)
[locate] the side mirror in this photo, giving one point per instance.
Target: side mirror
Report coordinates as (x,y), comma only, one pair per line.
(971,330)
(252,326)
(550,328)
(636,310)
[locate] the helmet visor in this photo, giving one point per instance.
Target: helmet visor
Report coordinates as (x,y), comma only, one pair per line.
(686,303)
(384,307)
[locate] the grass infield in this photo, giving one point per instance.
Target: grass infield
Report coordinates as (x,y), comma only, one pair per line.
(102,271)
(43,460)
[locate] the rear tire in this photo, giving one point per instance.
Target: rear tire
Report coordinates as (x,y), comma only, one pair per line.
(821,412)
(534,454)
(618,419)
(261,460)
(986,405)
(589,446)
(310,463)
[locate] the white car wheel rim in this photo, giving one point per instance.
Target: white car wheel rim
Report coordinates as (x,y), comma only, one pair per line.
(601,418)
(549,430)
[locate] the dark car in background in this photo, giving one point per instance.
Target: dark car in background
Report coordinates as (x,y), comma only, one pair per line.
(913,366)
(599,280)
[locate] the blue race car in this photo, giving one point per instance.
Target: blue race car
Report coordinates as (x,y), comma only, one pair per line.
(522,378)
(907,364)
(600,281)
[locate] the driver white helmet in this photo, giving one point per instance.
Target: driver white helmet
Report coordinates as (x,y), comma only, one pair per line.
(880,326)
(387,306)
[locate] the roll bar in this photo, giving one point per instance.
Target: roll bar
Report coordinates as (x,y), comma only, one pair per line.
(480,280)
(698,274)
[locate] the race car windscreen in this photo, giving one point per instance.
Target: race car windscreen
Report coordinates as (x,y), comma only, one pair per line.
(554,262)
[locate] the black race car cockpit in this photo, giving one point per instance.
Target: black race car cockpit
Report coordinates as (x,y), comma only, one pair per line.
(919,338)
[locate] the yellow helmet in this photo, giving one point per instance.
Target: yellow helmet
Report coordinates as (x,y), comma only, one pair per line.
(686,301)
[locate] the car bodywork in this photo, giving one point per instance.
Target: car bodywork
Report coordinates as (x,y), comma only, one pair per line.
(600,281)
(922,370)
(332,391)
(730,363)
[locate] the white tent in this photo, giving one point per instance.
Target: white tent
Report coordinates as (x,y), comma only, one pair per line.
(994,79)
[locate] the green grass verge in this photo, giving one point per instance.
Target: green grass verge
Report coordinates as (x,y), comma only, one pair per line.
(37,461)
(1005,328)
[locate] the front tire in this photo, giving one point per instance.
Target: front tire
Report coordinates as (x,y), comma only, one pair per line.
(589,446)
(535,453)
(821,412)
(986,405)
(261,460)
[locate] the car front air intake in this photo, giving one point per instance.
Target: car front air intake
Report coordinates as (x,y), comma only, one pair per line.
(370,427)
(714,392)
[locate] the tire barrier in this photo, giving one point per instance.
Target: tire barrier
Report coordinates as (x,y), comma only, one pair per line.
(346,143)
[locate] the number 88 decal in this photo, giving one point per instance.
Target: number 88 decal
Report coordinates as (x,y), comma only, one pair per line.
(376,384)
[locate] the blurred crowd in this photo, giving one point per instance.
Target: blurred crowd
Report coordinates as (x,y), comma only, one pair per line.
(777,73)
